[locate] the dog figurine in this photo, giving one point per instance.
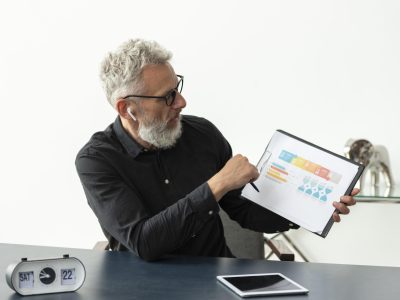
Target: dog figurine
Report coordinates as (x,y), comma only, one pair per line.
(376,162)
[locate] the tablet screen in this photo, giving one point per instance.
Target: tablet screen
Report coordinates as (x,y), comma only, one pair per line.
(261,284)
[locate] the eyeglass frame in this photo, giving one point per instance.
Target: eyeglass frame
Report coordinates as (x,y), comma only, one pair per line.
(181,77)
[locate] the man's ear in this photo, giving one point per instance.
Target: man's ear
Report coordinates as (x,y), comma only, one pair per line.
(121,107)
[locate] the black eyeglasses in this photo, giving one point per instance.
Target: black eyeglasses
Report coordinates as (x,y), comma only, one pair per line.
(169,97)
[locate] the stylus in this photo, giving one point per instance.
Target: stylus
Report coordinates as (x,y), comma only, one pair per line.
(254,186)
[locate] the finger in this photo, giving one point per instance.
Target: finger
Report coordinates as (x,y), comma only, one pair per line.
(257,174)
(348,200)
(355,191)
(341,207)
(253,173)
(336,217)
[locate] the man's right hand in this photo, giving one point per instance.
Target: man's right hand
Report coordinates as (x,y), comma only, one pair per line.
(237,172)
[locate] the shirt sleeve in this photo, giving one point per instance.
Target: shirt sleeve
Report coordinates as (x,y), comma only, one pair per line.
(253,216)
(122,214)
(247,213)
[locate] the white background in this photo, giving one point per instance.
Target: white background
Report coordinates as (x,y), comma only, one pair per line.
(324,70)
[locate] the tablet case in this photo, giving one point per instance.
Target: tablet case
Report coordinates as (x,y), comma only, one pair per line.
(329,224)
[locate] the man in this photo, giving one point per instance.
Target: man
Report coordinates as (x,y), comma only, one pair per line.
(155,179)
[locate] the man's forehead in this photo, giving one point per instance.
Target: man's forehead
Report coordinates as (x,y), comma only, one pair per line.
(158,77)
(158,72)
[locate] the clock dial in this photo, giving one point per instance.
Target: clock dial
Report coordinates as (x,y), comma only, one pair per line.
(47,275)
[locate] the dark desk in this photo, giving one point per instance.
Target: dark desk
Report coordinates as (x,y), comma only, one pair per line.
(121,275)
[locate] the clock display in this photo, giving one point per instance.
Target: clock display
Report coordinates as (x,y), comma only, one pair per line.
(26,279)
(47,275)
(68,276)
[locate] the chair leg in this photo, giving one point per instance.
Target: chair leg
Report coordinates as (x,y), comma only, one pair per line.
(269,254)
(280,249)
(289,240)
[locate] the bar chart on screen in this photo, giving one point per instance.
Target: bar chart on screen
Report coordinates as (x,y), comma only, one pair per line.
(299,181)
(307,177)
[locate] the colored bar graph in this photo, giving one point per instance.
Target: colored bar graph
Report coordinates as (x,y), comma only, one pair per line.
(277,171)
(308,166)
(276,176)
(278,166)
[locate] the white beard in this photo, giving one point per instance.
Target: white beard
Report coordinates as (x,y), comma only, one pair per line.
(158,134)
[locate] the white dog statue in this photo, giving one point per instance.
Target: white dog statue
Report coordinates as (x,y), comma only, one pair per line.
(376,162)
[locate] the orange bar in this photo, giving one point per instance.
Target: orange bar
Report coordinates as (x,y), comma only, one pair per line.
(279,170)
(276,177)
(274,172)
(311,167)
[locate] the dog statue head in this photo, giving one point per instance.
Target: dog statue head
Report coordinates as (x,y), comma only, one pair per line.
(360,151)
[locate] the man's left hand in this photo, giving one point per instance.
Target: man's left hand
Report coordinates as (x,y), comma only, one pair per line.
(343,206)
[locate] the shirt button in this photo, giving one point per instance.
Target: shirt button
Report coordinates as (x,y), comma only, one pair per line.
(166,181)
(210,212)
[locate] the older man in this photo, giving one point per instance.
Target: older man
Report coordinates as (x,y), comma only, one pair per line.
(155,178)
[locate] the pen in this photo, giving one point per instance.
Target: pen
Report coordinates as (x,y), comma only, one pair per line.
(254,186)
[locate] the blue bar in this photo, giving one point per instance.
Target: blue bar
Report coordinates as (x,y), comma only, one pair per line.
(287,156)
(278,166)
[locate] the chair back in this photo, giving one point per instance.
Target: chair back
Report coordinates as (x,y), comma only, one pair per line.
(244,243)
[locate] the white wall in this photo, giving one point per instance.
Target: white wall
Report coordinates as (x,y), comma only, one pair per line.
(324,70)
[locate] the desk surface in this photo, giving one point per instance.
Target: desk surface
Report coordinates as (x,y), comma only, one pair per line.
(121,275)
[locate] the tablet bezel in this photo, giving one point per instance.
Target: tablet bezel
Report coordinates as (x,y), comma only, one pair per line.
(301,289)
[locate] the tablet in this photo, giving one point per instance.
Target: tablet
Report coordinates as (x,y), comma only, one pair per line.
(267,284)
(300,180)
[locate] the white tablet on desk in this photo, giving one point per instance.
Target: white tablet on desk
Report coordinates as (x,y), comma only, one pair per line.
(267,284)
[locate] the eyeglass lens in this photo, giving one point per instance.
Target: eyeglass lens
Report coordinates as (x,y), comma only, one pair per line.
(172,94)
(171,97)
(180,85)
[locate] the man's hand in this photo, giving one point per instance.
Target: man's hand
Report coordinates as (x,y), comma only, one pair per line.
(236,173)
(343,205)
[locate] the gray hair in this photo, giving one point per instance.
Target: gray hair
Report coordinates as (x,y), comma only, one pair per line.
(120,71)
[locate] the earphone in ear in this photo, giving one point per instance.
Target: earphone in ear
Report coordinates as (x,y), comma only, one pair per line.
(131,114)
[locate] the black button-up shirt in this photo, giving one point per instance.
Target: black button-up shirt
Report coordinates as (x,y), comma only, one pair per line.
(158,202)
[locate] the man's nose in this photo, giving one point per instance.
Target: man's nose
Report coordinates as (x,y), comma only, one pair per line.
(179,102)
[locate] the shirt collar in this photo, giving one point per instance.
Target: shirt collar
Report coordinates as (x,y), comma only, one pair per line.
(129,143)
